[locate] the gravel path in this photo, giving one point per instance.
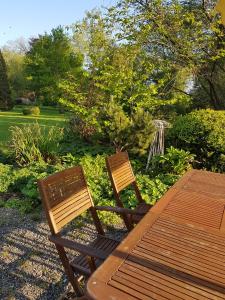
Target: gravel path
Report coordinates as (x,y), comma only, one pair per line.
(29,264)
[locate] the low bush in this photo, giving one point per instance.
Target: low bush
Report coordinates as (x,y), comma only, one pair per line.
(133,133)
(202,133)
(32,143)
(83,128)
(24,206)
(174,161)
(5,177)
(34,111)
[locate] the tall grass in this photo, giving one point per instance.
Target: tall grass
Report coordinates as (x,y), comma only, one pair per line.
(34,143)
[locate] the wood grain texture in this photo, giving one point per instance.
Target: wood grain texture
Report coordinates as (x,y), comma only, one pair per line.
(121,176)
(168,263)
(121,171)
(177,251)
(204,182)
(65,195)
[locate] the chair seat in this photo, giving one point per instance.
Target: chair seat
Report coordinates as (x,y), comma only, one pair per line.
(142,208)
(80,264)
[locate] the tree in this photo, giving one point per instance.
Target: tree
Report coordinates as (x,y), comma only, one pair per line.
(112,69)
(15,66)
(5,95)
(20,46)
(49,59)
(177,35)
(134,133)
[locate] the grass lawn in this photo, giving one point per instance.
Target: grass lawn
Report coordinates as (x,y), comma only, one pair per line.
(49,117)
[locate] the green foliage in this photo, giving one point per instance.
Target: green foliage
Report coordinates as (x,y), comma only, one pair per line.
(15,66)
(116,126)
(174,161)
(84,128)
(202,133)
(141,133)
(49,59)
(134,134)
(23,183)
(33,143)
(23,206)
(35,111)
(101,191)
(5,177)
(178,36)
(5,93)
(121,71)
(152,189)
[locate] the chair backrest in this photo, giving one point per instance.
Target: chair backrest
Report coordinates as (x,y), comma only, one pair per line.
(120,170)
(65,195)
(121,175)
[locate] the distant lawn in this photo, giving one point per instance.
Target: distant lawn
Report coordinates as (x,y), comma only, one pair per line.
(49,117)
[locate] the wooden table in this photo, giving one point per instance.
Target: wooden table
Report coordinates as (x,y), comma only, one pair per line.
(177,251)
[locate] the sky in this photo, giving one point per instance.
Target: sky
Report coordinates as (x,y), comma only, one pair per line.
(28,18)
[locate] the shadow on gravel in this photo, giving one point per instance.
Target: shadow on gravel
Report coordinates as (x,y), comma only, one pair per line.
(29,264)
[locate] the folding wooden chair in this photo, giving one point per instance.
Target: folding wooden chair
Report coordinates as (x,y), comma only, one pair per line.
(65,195)
(122,176)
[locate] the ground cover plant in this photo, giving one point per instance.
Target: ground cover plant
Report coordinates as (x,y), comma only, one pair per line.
(19,183)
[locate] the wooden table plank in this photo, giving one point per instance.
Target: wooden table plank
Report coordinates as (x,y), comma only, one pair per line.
(204,182)
(177,251)
(198,206)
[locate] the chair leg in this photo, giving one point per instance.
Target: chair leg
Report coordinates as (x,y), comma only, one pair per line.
(128,222)
(68,270)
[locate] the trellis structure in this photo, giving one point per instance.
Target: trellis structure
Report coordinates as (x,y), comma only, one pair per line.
(157,146)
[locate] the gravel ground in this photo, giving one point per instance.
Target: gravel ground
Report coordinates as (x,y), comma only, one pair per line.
(29,264)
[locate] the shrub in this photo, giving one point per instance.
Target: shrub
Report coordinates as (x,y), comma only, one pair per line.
(152,189)
(5,177)
(23,206)
(202,133)
(174,161)
(82,127)
(141,133)
(134,133)
(33,143)
(26,111)
(23,181)
(35,111)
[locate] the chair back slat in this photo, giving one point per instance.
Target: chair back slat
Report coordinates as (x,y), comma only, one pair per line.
(120,170)
(65,196)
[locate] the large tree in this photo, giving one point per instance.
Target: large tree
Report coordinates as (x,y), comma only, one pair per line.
(5,95)
(179,35)
(49,59)
(121,71)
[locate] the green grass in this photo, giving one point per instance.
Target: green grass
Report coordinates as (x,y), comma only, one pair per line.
(49,117)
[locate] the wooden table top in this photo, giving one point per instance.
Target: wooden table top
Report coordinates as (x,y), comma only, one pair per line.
(177,251)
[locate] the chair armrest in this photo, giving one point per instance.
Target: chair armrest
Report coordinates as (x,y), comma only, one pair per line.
(84,249)
(119,210)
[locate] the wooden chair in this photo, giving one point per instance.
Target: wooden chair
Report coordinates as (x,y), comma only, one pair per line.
(65,195)
(122,176)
